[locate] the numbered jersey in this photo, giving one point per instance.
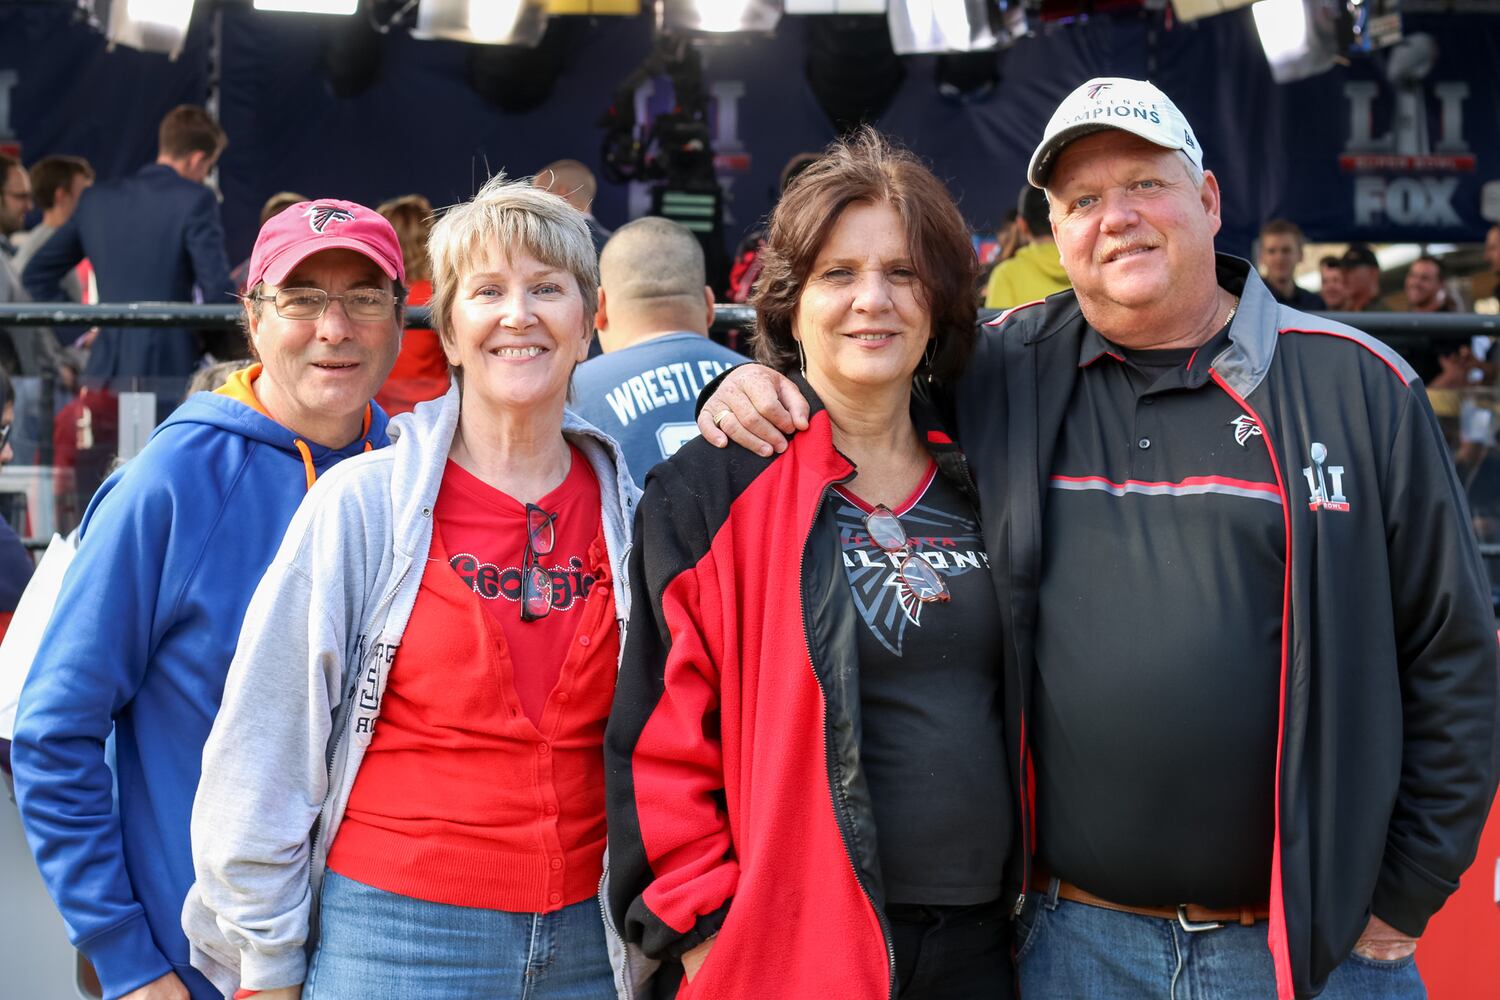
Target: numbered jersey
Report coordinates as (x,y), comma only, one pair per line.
(644,396)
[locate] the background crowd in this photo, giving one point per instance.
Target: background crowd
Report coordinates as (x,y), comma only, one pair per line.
(284,573)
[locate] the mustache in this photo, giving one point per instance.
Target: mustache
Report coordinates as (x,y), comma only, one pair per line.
(1121,249)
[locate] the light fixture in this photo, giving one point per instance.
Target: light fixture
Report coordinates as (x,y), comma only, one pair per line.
(919,26)
(150,25)
(1301,38)
(835,6)
(720,16)
(608,7)
(309,6)
(1192,10)
(483,22)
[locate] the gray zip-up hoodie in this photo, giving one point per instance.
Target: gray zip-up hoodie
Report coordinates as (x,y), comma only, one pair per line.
(305,687)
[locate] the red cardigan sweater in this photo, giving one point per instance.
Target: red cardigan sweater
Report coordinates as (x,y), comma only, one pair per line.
(462,800)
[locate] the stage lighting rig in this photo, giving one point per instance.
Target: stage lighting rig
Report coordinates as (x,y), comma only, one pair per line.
(1303,38)
(339,7)
(673,152)
(938,26)
(676,146)
(150,25)
(483,22)
(718,16)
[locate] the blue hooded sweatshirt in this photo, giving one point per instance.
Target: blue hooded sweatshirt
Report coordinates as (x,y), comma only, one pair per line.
(171,550)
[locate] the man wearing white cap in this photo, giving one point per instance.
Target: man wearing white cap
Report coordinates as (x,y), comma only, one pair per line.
(171,548)
(1252,653)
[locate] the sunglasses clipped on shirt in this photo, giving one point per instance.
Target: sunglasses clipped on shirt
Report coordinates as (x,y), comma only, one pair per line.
(536,582)
(916,574)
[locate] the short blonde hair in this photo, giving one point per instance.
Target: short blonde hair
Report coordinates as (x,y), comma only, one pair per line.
(506,215)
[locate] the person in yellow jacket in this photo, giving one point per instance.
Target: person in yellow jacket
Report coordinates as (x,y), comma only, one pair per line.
(1035,271)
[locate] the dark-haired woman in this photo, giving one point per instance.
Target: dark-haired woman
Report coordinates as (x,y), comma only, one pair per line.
(808,791)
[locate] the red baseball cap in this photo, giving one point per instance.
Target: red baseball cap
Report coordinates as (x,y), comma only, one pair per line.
(309,227)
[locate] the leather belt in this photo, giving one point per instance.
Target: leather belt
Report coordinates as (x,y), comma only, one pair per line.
(1190,916)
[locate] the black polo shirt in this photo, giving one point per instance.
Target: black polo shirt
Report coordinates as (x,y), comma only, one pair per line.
(1159,633)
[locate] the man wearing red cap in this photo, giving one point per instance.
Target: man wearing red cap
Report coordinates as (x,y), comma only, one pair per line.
(171,549)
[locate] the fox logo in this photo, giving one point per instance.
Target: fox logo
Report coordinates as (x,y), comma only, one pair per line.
(1244,429)
(320,217)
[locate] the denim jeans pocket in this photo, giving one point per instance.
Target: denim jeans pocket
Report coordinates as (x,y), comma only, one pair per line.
(1385,964)
(1029,924)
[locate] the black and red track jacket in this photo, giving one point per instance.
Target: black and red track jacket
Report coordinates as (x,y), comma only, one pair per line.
(1387,742)
(737,803)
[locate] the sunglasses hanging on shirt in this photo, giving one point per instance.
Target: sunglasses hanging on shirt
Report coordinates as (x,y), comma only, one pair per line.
(536,582)
(916,573)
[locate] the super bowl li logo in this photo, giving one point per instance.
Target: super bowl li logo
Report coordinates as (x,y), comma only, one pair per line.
(1319,480)
(1409,174)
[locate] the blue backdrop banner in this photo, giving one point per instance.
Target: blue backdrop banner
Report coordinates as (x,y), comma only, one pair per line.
(1390,148)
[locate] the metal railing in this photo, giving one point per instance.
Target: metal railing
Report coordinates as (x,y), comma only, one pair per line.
(1398,329)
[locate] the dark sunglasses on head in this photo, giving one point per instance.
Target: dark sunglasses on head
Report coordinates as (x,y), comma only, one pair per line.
(916,573)
(536,582)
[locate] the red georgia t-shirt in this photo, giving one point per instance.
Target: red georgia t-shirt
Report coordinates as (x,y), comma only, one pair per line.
(484,532)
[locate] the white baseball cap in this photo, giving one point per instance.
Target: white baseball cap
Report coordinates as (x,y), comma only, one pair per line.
(1134,106)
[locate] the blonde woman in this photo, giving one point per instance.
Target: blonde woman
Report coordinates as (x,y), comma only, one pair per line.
(415,714)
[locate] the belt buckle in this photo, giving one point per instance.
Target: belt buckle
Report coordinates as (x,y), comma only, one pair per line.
(1193,927)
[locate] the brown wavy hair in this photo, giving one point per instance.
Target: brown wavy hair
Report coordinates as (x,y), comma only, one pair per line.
(411,217)
(866,167)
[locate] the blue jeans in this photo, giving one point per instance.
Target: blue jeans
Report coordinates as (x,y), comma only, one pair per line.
(376,944)
(1071,950)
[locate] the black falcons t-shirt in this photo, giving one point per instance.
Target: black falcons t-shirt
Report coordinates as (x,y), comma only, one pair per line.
(929,677)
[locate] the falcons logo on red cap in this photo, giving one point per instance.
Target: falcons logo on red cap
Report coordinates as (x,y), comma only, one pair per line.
(320,217)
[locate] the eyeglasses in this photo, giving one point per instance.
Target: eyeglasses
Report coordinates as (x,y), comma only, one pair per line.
(916,573)
(360,304)
(536,582)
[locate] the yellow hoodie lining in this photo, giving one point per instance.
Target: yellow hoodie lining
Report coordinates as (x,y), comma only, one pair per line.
(241,386)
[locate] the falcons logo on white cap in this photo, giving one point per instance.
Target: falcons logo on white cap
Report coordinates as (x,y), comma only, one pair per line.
(320,217)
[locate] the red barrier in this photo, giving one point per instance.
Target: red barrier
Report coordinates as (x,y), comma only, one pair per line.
(1459,956)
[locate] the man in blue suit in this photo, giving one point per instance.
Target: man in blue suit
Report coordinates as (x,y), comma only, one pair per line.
(151,237)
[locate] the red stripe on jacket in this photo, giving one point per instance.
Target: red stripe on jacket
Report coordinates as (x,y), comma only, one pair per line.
(1276,935)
